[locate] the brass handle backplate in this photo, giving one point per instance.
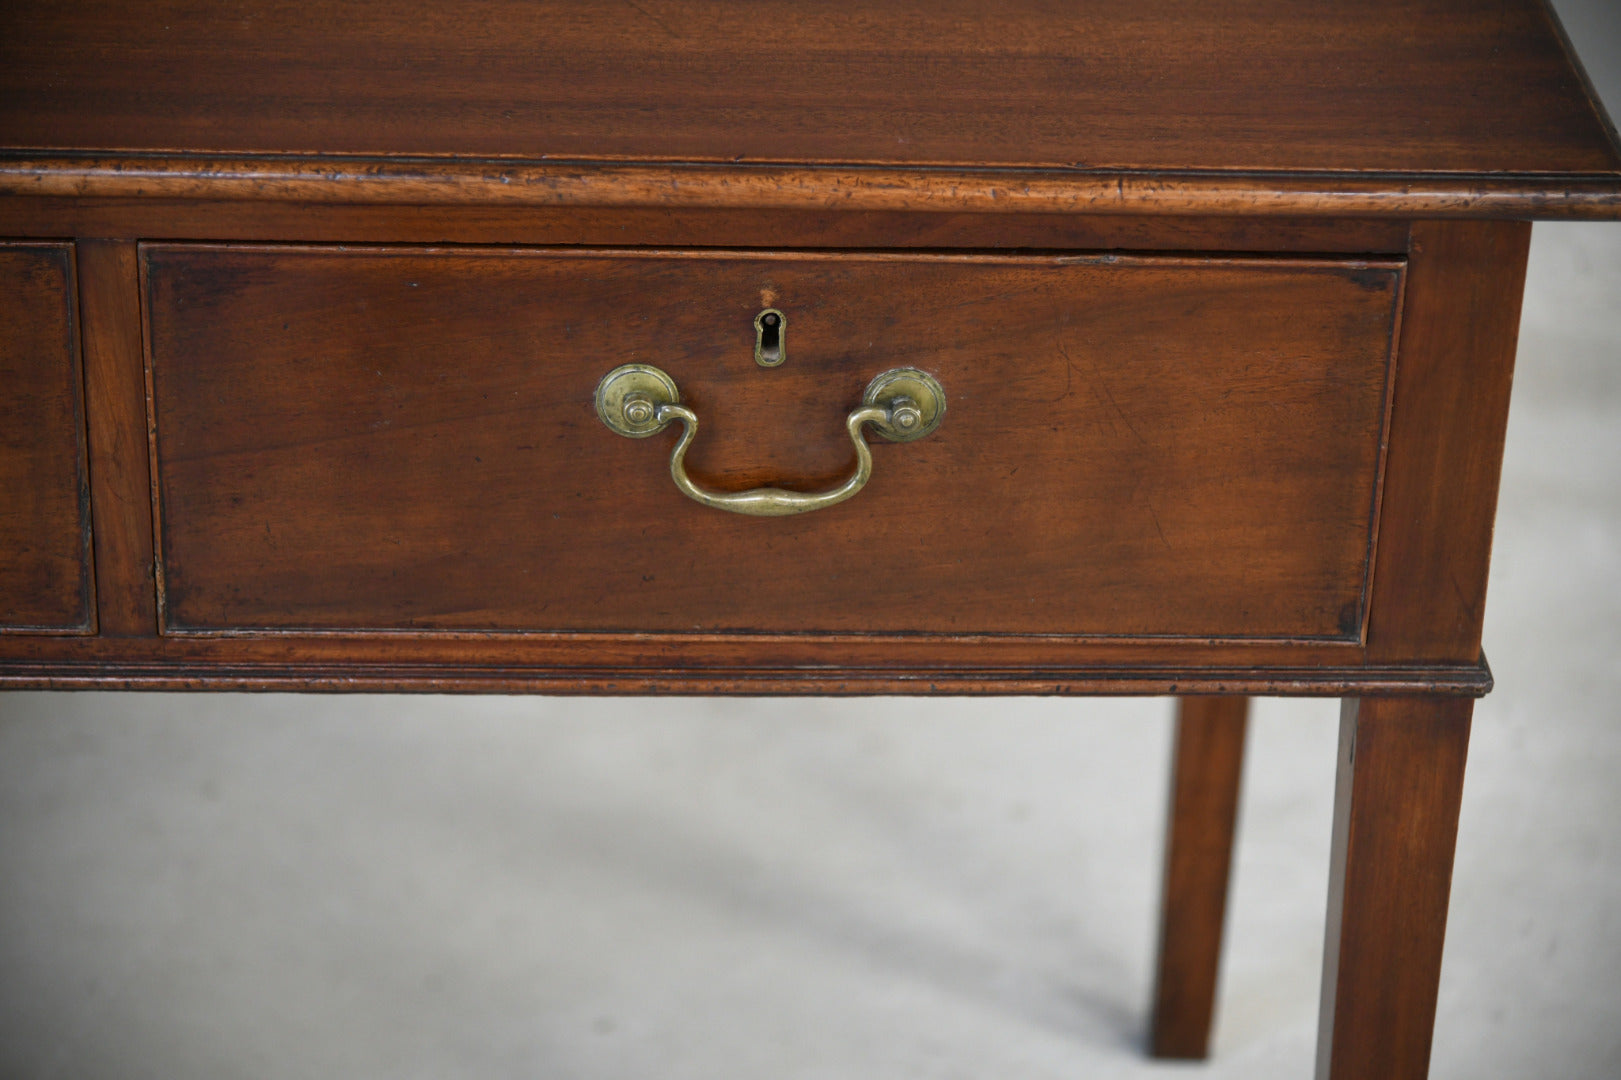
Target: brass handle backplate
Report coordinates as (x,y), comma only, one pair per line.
(638,400)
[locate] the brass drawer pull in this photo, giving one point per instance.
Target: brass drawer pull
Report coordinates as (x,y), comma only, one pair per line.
(638,400)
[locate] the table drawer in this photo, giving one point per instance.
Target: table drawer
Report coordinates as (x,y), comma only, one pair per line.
(405,440)
(45,577)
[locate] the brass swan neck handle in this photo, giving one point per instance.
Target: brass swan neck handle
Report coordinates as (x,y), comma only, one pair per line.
(638,400)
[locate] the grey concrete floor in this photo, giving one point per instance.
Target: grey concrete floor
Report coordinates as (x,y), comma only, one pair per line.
(283,886)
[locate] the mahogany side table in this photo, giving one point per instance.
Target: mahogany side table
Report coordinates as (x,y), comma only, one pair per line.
(901,348)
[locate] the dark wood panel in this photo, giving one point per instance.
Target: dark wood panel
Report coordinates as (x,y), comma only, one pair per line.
(1208,765)
(1134,446)
(115,384)
(45,577)
(1462,86)
(1460,327)
(160,219)
(1396,802)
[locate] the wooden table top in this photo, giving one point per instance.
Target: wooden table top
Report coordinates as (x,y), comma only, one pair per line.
(1452,95)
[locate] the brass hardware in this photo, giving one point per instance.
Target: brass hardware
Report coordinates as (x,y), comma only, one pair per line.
(628,398)
(770,338)
(915,399)
(638,400)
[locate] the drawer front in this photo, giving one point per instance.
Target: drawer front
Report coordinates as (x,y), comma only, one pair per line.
(45,578)
(405,439)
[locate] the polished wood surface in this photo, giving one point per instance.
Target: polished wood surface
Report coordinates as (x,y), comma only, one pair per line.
(664,665)
(1396,801)
(696,227)
(403,440)
(1460,327)
(1449,86)
(45,577)
(1208,766)
(115,385)
(424,182)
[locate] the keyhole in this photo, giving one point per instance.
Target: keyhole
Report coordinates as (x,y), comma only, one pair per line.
(770,332)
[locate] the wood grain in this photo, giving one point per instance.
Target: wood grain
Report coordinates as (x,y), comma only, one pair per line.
(115,383)
(574,663)
(1450,86)
(45,579)
(697,227)
(1208,766)
(220,665)
(1460,327)
(1396,806)
(340,180)
(403,440)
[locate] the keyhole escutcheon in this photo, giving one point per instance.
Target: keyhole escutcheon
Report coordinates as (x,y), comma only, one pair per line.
(770,338)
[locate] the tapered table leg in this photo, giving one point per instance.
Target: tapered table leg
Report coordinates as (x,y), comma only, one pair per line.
(1395,826)
(1199,847)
